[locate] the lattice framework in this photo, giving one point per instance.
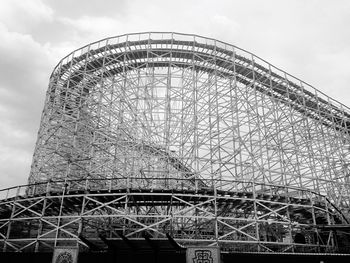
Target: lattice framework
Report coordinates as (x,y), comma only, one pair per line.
(173,133)
(244,219)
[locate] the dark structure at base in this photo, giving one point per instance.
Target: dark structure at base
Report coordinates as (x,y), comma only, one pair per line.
(175,257)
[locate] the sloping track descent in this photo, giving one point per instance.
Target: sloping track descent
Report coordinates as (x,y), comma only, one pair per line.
(185,138)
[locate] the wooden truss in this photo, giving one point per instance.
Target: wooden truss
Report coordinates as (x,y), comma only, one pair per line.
(234,220)
(178,135)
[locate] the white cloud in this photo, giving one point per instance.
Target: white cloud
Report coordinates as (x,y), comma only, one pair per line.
(16,166)
(20,15)
(222,20)
(91,26)
(24,71)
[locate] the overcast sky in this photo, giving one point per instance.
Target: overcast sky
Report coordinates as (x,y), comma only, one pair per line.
(308,39)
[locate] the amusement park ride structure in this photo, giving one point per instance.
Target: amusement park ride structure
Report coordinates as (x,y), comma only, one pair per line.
(186,140)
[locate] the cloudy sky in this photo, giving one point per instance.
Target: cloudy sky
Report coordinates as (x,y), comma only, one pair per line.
(307,38)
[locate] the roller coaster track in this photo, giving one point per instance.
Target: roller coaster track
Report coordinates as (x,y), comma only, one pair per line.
(226,64)
(166,134)
(37,210)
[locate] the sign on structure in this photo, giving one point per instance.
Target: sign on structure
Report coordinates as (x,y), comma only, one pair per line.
(203,255)
(65,255)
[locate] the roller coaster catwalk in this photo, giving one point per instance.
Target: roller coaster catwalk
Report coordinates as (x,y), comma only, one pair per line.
(169,141)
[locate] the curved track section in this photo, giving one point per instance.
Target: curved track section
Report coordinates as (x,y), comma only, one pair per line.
(247,217)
